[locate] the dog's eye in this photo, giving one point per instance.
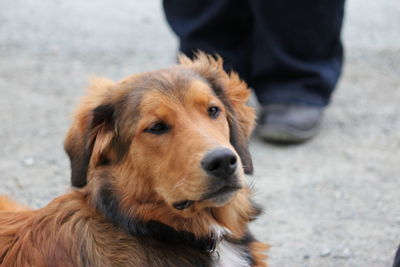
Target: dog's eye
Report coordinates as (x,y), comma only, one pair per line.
(158,128)
(213,112)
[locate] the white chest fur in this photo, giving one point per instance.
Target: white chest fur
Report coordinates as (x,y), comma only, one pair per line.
(230,255)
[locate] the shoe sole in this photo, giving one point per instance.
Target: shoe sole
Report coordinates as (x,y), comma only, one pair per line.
(284,135)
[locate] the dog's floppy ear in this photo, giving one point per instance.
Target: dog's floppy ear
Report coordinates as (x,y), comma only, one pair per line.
(92,131)
(241,118)
(234,93)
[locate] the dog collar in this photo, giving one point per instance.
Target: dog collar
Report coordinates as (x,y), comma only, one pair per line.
(214,244)
(168,235)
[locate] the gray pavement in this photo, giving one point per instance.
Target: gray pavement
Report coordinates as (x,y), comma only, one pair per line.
(334,201)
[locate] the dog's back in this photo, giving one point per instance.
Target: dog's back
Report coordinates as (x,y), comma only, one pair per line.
(33,237)
(12,220)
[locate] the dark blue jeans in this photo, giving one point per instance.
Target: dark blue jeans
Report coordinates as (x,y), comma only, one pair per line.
(397,259)
(289,51)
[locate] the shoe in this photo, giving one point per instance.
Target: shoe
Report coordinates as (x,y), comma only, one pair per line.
(289,123)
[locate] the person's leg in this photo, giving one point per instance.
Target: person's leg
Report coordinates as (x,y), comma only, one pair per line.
(296,62)
(213,26)
(397,259)
(297,51)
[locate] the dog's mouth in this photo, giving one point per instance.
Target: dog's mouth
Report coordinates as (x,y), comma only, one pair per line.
(222,193)
(181,205)
(217,197)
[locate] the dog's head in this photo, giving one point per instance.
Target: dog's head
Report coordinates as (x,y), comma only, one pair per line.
(176,136)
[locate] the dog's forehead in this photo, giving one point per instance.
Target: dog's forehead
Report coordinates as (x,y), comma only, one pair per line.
(177,81)
(178,85)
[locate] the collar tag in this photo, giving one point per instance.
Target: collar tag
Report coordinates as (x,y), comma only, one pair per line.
(214,244)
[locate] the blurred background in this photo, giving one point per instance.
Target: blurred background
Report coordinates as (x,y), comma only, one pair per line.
(334,201)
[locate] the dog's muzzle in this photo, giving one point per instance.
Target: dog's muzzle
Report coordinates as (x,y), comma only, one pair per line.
(220,165)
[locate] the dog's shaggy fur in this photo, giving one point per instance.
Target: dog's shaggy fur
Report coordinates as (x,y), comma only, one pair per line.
(137,148)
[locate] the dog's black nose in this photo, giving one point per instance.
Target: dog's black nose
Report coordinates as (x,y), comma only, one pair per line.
(220,163)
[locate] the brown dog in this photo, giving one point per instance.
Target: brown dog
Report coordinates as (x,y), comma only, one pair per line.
(161,158)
